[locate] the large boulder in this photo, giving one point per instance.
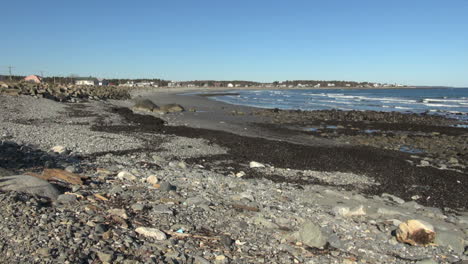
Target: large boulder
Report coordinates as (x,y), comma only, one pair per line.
(415,232)
(29,184)
(170,108)
(144,105)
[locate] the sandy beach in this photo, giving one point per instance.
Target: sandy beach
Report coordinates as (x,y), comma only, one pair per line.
(219,183)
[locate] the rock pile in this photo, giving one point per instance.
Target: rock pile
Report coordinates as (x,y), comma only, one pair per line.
(66,93)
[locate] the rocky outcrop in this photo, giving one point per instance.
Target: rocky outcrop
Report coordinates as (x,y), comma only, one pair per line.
(66,93)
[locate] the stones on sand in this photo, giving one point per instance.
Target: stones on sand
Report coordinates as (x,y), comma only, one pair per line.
(29,184)
(151,232)
(415,232)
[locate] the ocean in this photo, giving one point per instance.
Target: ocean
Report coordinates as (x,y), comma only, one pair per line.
(450,102)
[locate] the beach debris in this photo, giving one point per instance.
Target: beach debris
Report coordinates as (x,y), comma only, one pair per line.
(415,232)
(60,175)
(254,164)
(100,197)
(151,232)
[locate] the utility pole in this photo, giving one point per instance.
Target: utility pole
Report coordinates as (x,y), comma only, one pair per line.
(9,70)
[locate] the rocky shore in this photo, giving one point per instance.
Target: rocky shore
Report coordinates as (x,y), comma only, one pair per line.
(95,182)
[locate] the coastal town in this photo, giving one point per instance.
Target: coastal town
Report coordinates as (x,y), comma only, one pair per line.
(93,81)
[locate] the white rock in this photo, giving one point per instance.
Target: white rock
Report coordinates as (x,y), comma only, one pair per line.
(59,149)
(240,174)
(254,164)
(151,232)
(152,179)
(125,175)
(346,212)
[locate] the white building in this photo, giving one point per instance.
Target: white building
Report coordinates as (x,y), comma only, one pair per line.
(230,85)
(317,86)
(84,82)
(331,85)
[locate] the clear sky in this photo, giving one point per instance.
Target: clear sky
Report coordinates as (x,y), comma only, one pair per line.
(418,42)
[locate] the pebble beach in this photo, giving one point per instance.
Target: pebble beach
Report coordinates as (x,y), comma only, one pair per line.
(184,179)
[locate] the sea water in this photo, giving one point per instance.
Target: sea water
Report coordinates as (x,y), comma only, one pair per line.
(451,102)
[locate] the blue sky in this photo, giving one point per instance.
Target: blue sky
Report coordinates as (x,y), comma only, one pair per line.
(412,42)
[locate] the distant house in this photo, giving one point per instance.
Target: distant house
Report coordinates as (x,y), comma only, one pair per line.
(230,85)
(317,85)
(348,85)
(33,78)
(102,82)
(86,82)
(331,85)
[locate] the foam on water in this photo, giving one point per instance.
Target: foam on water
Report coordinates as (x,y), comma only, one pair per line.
(452,102)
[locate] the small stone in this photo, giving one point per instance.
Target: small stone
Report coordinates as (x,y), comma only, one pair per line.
(71,169)
(67,199)
(152,179)
(151,232)
(101,228)
(167,187)
(125,175)
(346,212)
(227,241)
(393,198)
(311,235)
(240,174)
(182,165)
(105,257)
(137,207)
(118,212)
(59,149)
(254,164)
(44,252)
(196,201)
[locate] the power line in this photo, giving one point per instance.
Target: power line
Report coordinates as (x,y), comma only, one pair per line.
(9,70)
